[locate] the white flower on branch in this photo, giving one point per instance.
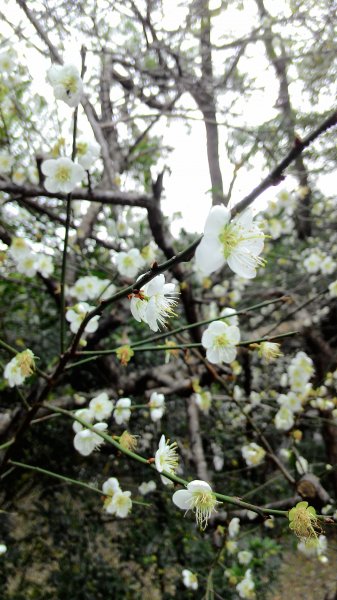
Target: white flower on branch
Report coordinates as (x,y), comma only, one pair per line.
(220,340)
(129,263)
(67,84)
(122,412)
(157,406)
(19,368)
(197,496)
(116,502)
(87,153)
(237,243)
(6,163)
(62,175)
(253,454)
(190,579)
(101,406)
(77,313)
(86,440)
(166,459)
(154,303)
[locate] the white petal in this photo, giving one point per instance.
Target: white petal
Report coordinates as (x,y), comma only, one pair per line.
(48,167)
(217,218)
(182,499)
(213,355)
(241,264)
(199,486)
(208,255)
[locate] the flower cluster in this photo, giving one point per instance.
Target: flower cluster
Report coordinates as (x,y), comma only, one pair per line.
(117,502)
(29,262)
(77,313)
(154,303)
(91,287)
(19,368)
(298,375)
(157,406)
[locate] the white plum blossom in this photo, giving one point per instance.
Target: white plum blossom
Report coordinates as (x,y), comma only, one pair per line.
(245,557)
(166,459)
(86,415)
(157,406)
(6,163)
(284,419)
(3,549)
(7,60)
(87,152)
(27,265)
(231,546)
(302,465)
(129,263)
(237,242)
(77,313)
(19,368)
(116,502)
(246,587)
(91,287)
(333,289)
(190,579)
(111,486)
(122,412)
(86,440)
(328,265)
(231,316)
(44,264)
(253,454)
(154,303)
(203,400)
(121,504)
(146,487)
(18,248)
(300,371)
(101,407)
(62,175)
(220,342)
(234,527)
(197,496)
(19,176)
(312,263)
(67,84)
(292,400)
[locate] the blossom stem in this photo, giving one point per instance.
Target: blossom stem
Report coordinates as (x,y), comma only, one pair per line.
(166,334)
(66,479)
(94,354)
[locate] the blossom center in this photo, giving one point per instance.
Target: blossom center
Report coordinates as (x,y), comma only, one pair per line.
(70,83)
(229,238)
(221,341)
(62,174)
(204,504)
